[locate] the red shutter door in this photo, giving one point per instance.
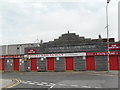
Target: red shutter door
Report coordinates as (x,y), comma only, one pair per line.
(90,63)
(16,64)
(69,64)
(113,60)
(50,64)
(33,64)
(2,64)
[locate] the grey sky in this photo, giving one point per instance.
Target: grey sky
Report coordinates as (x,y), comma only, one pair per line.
(22,21)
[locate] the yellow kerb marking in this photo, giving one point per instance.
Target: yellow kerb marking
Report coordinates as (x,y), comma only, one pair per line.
(13,85)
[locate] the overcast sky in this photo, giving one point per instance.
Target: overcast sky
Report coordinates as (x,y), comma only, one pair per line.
(22,21)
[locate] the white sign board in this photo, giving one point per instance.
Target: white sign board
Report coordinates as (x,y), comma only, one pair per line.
(57,55)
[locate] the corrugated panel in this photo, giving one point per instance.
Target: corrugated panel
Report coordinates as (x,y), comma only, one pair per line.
(60,64)
(41,64)
(101,63)
(9,64)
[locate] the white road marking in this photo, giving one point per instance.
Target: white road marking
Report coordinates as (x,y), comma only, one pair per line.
(62,84)
(44,82)
(28,81)
(31,83)
(86,86)
(39,84)
(74,85)
(36,82)
(52,86)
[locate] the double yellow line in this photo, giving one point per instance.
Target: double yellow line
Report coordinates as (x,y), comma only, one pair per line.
(15,84)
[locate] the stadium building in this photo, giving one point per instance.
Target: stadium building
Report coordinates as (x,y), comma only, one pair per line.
(69,52)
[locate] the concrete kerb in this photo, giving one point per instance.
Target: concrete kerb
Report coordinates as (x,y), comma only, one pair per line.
(112,73)
(103,72)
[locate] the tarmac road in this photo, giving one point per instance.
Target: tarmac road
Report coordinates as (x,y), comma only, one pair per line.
(65,80)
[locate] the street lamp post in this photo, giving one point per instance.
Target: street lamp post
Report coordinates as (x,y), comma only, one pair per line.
(107,26)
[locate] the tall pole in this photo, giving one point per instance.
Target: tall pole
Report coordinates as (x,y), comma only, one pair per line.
(107,34)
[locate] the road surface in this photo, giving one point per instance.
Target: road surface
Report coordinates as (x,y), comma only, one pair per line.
(64,80)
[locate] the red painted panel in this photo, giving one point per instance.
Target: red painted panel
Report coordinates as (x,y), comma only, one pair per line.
(69,63)
(50,64)
(102,53)
(31,51)
(2,64)
(33,64)
(90,63)
(10,56)
(113,60)
(114,46)
(111,63)
(16,64)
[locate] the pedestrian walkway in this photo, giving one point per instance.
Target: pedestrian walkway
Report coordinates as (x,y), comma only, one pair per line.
(5,82)
(105,72)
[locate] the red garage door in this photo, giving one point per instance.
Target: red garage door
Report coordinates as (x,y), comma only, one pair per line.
(113,60)
(2,64)
(33,64)
(69,64)
(90,63)
(16,64)
(50,64)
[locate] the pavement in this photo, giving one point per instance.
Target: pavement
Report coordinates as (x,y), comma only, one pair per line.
(103,72)
(4,83)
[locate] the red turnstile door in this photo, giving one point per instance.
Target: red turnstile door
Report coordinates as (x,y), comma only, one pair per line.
(90,63)
(113,61)
(50,64)
(16,64)
(69,64)
(33,64)
(2,64)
